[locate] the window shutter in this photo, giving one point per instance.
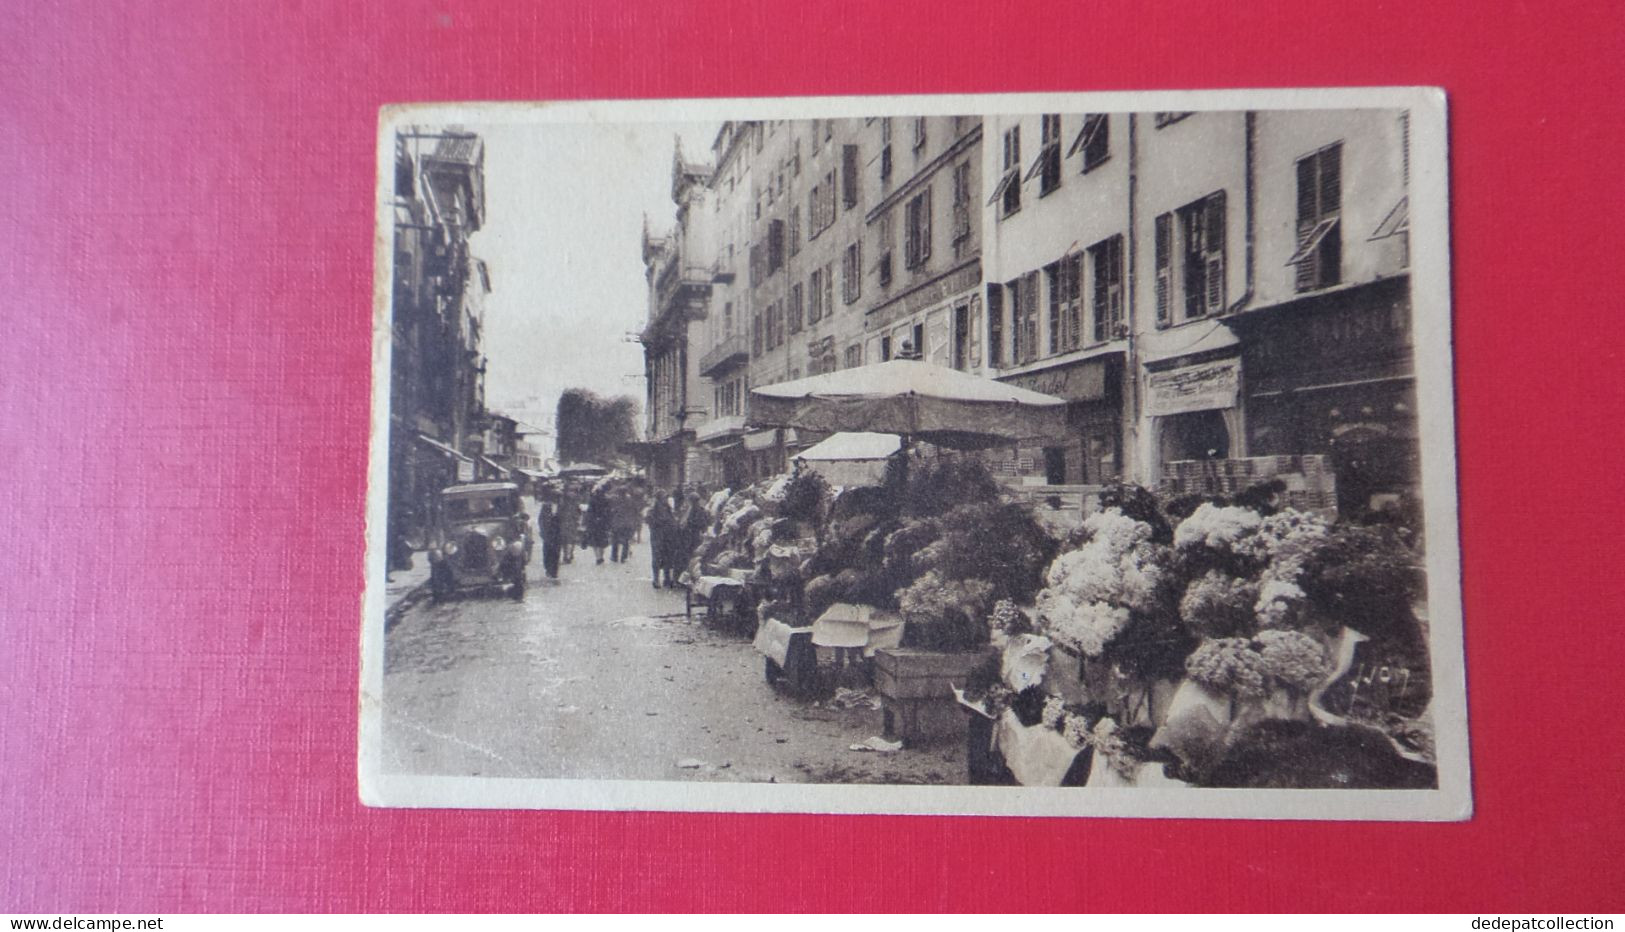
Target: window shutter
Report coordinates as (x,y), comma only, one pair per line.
(1303,278)
(849,170)
(1165,250)
(995,325)
(909,224)
(1215,249)
(1331,183)
(973,352)
(1308,209)
(925,225)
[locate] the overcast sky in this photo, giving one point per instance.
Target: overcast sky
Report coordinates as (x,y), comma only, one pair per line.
(562,237)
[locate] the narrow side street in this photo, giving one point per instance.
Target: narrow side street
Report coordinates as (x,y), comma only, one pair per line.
(599,675)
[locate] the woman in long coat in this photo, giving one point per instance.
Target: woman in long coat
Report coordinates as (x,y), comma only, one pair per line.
(662,531)
(598,519)
(569,522)
(695,522)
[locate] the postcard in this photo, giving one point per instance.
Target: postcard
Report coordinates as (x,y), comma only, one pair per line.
(1079,454)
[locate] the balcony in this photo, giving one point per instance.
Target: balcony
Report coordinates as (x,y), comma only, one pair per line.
(721,428)
(687,284)
(732,351)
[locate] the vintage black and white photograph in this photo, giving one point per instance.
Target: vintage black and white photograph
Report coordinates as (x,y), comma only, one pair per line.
(1061,454)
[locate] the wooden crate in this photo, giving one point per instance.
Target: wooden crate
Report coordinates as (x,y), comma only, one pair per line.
(916,690)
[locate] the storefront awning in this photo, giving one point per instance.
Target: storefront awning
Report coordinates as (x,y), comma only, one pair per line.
(501,469)
(443,449)
(761,440)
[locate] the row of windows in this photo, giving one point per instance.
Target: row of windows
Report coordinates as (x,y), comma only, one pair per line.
(1189,265)
(1015,338)
(1093,140)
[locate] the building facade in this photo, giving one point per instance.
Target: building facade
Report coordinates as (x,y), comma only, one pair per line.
(1058,219)
(924,242)
(437,388)
(681,268)
(1208,290)
(823,255)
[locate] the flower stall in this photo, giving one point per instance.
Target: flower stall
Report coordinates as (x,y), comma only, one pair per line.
(1213,644)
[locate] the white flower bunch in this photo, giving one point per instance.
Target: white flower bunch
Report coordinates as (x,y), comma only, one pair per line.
(1076,731)
(1093,589)
(1285,540)
(1215,526)
(1228,665)
(1054,712)
(1089,627)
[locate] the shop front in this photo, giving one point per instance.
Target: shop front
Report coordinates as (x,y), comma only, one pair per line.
(1091,451)
(1191,404)
(1335,375)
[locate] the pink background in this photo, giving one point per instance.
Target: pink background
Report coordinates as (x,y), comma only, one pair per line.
(186,250)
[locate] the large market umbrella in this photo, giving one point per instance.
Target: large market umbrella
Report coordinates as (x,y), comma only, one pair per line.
(916,399)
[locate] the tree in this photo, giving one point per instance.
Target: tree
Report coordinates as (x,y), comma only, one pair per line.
(592,428)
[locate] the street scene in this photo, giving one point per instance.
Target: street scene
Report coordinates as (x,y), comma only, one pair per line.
(1062,449)
(599,675)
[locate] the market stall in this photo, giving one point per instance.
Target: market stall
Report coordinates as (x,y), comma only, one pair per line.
(929,542)
(1210,642)
(851,458)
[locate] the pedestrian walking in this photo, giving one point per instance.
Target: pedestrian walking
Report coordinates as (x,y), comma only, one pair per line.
(547,521)
(695,521)
(569,522)
(598,518)
(626,513)
(662,533)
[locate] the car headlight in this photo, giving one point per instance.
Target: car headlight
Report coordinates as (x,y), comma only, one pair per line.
(449,547)
(497,543)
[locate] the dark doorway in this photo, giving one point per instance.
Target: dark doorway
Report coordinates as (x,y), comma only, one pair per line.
(1198,435)
(1055,465)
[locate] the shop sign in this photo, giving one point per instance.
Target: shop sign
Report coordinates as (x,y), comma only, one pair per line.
(1193,388)
(465,470)
(1085,381)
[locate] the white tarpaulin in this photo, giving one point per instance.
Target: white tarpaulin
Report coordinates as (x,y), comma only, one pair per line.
(854,626)
(854,446)
(852,459)
(904,396)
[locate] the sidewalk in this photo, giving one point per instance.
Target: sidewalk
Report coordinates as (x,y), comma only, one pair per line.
(400,584)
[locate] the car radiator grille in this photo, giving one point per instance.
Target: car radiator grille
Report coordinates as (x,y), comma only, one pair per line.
(476,552)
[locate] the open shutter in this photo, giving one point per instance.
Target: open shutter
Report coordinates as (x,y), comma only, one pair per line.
(1331,179)
(1165,257)
(849,173)
(973,352)
(910,225)
(925,225)
(1214,253)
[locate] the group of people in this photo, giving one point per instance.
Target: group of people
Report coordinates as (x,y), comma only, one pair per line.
(676,523)
(610,515)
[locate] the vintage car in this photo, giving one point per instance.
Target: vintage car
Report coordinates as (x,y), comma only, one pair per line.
(480,537)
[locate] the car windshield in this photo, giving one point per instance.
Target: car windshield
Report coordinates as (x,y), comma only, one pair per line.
(469,507)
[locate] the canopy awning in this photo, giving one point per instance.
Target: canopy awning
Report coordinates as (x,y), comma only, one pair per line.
(853,446)
(918,399)
(442,448)
(760,440)
(501,469)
